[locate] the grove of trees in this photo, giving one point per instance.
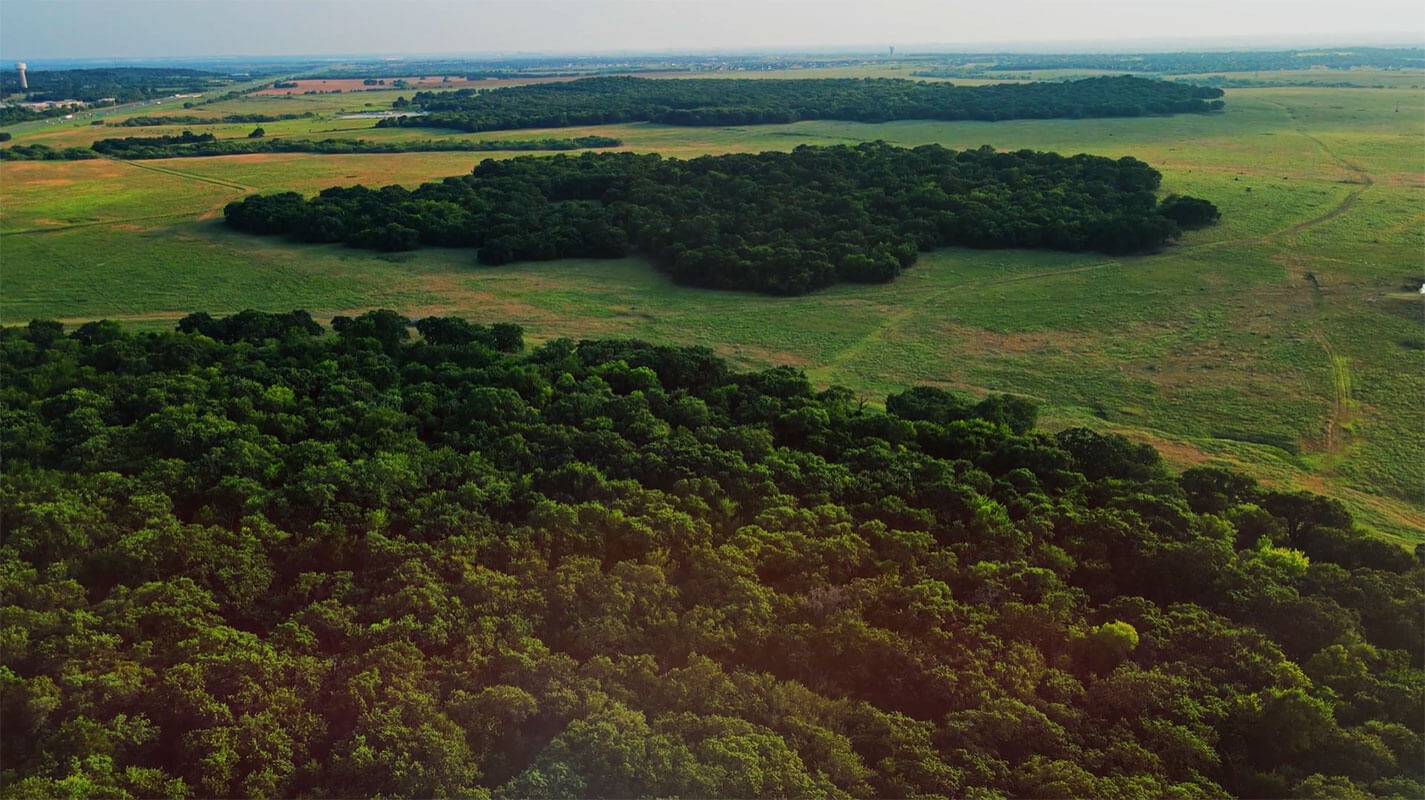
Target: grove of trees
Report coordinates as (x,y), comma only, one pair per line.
(742,101)
(251,557)
(154,120)
(781,223)
(124,84)
(191,145)
(43,152)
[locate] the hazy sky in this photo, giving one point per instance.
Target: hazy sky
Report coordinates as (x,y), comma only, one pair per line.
(38,29)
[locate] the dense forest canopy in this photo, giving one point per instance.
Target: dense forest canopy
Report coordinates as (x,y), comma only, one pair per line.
(191,145)
(741,101)
(154,120)
(783,223)
(252,558)
(43,152)
(124,84)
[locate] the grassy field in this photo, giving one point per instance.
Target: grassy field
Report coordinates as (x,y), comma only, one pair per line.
(1218,350)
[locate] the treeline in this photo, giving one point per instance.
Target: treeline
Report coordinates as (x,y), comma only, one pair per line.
(157,143)
(599,101)
(15,114)
(253,558)
(43,152)
(783,223)
(1324,80)
(1192,63)
(124,84)
(191,145)
(154,120)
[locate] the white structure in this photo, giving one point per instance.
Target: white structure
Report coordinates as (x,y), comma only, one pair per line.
(24,84)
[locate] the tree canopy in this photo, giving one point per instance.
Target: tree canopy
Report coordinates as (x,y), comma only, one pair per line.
(251,557)
(154,120)
(744,101)
(124,84)
(781,223)
(191,145)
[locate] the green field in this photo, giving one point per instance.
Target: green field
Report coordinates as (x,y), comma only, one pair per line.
(1219,350)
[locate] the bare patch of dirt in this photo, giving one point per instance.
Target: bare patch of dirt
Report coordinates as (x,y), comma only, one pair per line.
(1179,453)
(44,173)
(156,316)
(765,356)
(251,158)
(1201,361)
(49,182)
(975,341)
(459,299)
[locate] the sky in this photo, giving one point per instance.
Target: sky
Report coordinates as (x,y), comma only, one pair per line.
(38,29)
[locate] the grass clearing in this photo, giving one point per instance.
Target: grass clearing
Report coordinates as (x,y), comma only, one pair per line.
(1217,350)
(49,195)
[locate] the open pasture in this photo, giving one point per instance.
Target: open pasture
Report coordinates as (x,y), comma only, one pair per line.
(1218,350)
(38,197)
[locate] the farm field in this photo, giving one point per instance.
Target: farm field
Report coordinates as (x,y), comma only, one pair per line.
(1219,350)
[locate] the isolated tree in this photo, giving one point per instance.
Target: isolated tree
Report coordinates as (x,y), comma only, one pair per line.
(1189,212)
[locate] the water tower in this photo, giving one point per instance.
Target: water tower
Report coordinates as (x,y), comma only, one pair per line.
(24,84)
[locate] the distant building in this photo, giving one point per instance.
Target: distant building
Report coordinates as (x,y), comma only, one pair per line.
(48,104)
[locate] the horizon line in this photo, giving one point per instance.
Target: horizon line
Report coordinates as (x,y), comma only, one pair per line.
(1043,47)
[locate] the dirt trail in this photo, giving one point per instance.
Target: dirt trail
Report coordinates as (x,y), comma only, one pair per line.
(1342,403)
(178,173)
(1366,182)
(895,320)
(92,223)
(908,310)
